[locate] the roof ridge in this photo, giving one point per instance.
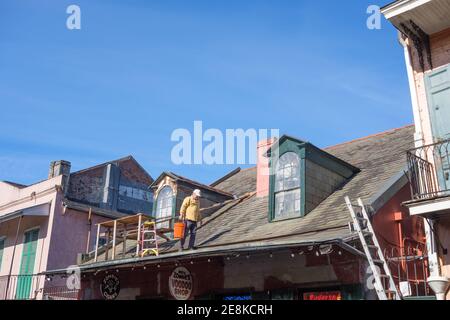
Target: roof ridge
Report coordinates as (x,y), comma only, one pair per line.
(369,136)
(199,184)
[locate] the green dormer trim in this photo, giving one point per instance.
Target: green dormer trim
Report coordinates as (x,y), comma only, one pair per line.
(285,146)
(320,173)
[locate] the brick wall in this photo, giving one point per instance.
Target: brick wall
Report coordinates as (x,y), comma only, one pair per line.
(119,186)
(440,52)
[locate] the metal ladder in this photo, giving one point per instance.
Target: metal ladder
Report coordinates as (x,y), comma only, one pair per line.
(361,224)
(149,239)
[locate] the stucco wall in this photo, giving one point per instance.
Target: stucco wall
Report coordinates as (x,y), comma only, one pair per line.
(69,237)
(41,193)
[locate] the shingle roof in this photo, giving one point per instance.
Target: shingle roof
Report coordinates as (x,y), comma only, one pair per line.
(244,221)
(240,183)
(380,157)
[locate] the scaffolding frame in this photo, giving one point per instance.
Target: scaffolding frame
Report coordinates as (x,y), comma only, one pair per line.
(126,228)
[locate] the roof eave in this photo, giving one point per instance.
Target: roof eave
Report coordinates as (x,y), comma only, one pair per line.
(176,256)
(400,7)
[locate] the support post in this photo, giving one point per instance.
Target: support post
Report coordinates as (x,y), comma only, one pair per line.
(96,242)
(88,243)
(138,244)
(108,236)
(113,256)
(124,245)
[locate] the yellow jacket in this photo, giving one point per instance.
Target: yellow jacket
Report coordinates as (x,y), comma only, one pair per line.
(190,209)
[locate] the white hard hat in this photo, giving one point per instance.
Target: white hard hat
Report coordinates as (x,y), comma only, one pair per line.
(197,192)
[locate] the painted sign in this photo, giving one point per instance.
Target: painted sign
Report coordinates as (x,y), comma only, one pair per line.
(181,283)
(110,287)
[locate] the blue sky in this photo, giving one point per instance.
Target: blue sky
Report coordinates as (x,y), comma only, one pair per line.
(137,70)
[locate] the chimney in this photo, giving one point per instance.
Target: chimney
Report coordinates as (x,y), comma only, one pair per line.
(262,168)
(60,167)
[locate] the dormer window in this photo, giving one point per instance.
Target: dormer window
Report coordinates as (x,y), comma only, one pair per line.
(302,177)
(164,204)
(287,186)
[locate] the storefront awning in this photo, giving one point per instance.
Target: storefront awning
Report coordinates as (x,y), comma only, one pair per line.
(41,210)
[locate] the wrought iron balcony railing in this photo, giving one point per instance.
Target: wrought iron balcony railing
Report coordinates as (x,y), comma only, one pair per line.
(20,287)
(429,170)
(35,287)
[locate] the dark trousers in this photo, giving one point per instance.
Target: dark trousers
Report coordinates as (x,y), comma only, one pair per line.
(191,227)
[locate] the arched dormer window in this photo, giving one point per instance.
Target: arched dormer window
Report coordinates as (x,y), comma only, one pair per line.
(287,186)
(164,204)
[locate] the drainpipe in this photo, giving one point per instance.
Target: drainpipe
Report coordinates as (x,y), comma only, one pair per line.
(418,135)
(418,139)
(12,258)
(436,282)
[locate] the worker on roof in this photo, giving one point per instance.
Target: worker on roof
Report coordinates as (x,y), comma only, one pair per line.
(190,214)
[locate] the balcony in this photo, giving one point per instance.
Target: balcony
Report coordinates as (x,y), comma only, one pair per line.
(429,177)
(35,287)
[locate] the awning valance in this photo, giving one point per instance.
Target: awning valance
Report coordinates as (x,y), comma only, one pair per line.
(40,210)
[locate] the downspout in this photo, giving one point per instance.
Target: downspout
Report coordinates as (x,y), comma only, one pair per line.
(12,258)
(418,135)
(418,140)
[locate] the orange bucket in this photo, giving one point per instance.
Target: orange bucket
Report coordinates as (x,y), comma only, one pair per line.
(178,230)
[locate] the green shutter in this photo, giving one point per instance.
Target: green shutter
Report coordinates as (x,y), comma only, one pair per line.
(438,91)
(24,281)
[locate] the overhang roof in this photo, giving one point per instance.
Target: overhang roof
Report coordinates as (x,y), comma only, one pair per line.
(431,16)
(41,210)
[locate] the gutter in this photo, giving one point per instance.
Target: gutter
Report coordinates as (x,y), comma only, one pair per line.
(176,256)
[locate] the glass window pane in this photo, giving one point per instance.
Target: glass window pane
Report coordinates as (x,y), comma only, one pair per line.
(287,172)
(164,206)
(287,204)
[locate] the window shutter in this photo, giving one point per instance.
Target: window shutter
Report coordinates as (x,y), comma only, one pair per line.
(438,90)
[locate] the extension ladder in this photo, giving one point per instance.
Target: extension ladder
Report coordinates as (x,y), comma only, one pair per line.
(384,282)
(149,239)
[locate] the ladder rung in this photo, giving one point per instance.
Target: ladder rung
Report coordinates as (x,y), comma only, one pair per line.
(378,261)
(384,276)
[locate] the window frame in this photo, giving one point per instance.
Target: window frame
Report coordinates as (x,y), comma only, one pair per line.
(172,203)
(283,148)
(287,190)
